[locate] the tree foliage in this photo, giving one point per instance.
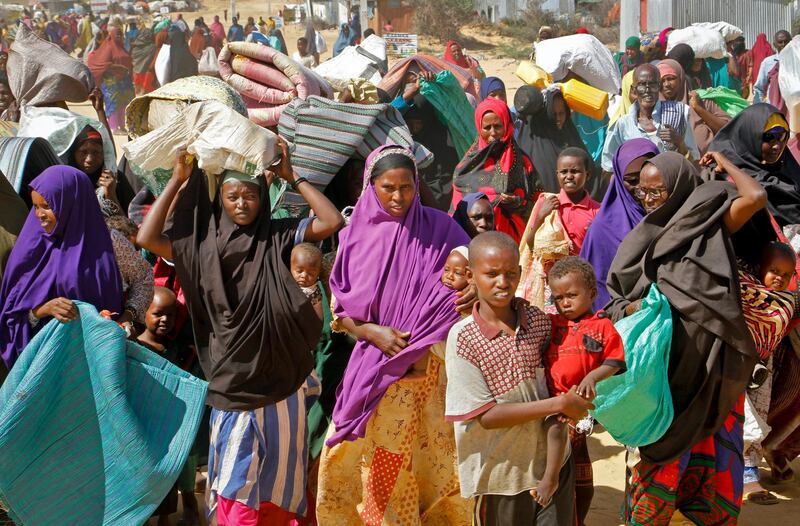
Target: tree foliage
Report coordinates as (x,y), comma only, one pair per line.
(441,18)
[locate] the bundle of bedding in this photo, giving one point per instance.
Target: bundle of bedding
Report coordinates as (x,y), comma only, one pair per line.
(325,134)
(267,79)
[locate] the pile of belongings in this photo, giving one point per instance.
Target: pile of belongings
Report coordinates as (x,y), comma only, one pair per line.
(395,79)
(158,108)
(41,73)
(217,136)
(267,79)
(582,55)
(365,61)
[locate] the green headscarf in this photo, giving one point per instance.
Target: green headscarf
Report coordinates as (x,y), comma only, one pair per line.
(232,175)
(633,42)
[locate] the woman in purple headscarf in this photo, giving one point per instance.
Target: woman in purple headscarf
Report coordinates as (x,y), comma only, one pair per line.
(62,254)
(619,213)
(389,416)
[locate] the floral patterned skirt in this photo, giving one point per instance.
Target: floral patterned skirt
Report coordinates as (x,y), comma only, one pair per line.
(404,470)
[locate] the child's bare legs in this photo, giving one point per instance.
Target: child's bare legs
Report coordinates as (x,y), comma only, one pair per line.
(556,444)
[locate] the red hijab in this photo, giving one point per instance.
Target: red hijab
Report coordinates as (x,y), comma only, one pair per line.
(761,50)
(499,108)
(110,53)
(448,55)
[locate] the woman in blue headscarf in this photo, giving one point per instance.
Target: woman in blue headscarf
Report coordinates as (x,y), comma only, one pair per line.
(493,87)
(343,40)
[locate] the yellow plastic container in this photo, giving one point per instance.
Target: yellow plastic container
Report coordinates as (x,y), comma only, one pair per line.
(585,99)
(533,75)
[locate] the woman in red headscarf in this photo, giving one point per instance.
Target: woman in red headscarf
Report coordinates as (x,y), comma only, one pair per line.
(496,166)
(761,50)
(454,54)
(112,67)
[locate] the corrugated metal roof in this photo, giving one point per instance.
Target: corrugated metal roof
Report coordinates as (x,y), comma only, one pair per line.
(752,16)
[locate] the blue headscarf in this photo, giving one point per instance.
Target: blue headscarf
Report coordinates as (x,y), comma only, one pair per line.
(619,213)
(461,215)
(490,84)
(342,41)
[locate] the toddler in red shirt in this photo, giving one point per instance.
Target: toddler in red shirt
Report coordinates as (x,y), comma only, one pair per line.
(584,350)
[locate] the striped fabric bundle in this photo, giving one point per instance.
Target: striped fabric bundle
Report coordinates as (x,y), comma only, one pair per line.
(326,134)
(267,79)
(94,429)
(394,80)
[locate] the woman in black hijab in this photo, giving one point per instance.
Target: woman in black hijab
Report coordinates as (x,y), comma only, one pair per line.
(428,130)
(253,326)
(181,61)
(547,129)
(685,246)
(695,68)
(755,141)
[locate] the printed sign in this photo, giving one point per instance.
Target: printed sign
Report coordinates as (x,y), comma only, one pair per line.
(400,44)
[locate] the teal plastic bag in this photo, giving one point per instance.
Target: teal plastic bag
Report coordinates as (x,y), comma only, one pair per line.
(636,406)
(731,102)
(452,109)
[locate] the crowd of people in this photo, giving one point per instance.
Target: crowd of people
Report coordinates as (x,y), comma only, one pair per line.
(430,336)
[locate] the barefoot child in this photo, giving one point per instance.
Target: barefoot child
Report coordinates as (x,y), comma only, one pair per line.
(306,266)
(584,350)
(159,321)
(497,396)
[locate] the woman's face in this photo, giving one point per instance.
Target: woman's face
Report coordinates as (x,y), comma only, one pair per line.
(492,128)
(559,112)
(89,157)
(241,201)
(395,189)
(455,50)
(481,217)
(697,65)
(498,94)
(669,86)
(772,145)
(651,190)
(45,215)
(631,176)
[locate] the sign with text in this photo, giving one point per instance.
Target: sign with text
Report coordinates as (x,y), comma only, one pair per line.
(400,44)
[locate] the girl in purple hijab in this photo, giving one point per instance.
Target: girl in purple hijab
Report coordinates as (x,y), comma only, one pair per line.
(619,213)
(389,413)
(63,253)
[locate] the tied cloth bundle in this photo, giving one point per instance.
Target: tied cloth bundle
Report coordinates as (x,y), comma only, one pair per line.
(267,79)
(41,73)
(219,138)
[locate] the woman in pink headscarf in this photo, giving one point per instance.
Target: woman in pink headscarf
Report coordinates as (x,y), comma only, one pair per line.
(112,67)
(217,34)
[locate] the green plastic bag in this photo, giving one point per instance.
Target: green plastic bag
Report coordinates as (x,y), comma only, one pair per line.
(636,406)
(452,109)
(727,99)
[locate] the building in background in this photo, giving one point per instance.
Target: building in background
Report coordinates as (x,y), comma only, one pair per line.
(497,10)
(752,16)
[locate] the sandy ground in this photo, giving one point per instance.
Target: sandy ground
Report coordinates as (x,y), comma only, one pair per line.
(608,456)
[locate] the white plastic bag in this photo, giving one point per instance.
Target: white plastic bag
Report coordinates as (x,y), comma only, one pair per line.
(706,43)
(728,31)
(162,65)
(789,81)
(350,64)
(755,428)
(208,63)
(322,46)
(582,54)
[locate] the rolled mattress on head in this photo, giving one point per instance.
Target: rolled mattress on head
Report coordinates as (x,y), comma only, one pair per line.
(267,79)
